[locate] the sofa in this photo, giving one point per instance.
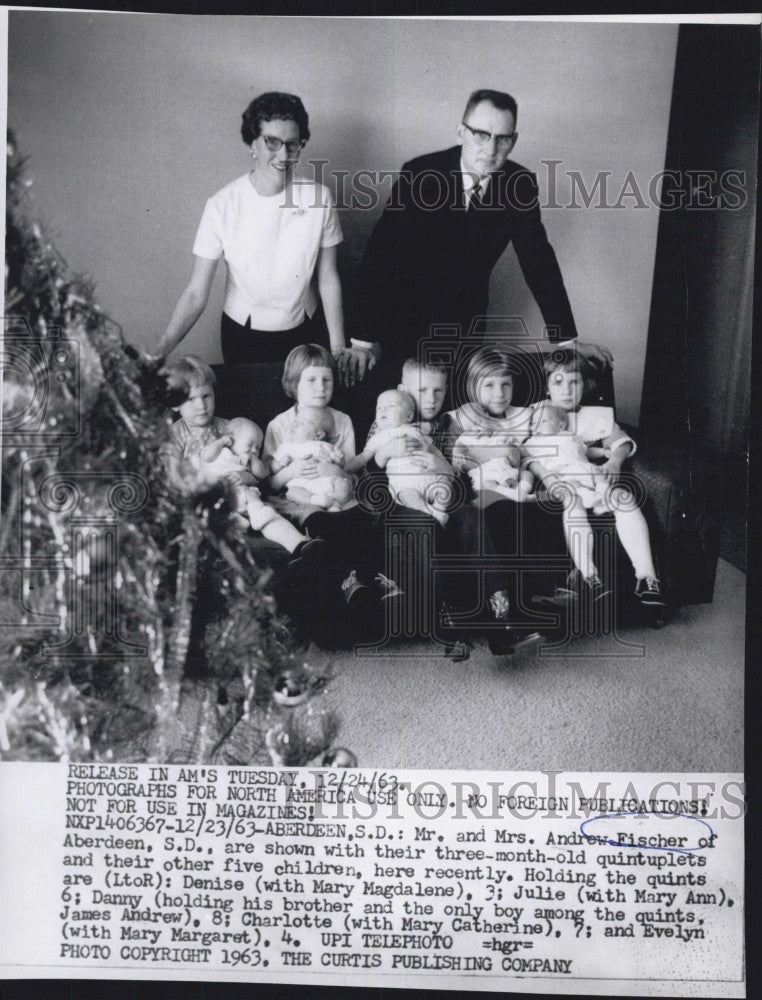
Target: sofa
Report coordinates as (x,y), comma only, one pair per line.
(682,492)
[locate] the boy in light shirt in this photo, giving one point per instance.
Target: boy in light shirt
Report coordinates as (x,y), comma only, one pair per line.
(464,535)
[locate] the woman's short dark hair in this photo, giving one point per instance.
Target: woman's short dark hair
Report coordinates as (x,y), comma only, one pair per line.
(270,106)
(301,357)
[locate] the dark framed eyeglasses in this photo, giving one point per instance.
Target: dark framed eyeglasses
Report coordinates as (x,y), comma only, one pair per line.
(273,143)
(481,138)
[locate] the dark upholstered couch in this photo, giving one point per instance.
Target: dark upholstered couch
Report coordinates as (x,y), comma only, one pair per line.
(682,505)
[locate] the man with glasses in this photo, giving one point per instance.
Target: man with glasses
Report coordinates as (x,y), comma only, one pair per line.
(450,216)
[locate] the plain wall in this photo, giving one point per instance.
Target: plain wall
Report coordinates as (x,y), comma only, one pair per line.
(130,122)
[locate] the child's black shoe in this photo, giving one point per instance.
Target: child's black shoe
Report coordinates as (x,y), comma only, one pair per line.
(389,589)
(458,645)
(504,638)
(595,591)
(506,641)
(357,594)
(458,652)
(648,592)
(652,605)
(311,552)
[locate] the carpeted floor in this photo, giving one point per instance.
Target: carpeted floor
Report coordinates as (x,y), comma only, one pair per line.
(671,701)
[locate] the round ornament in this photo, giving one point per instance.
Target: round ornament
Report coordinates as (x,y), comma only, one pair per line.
(339,757)
(290,688)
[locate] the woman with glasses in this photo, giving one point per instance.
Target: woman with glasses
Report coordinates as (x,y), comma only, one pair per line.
(275,232)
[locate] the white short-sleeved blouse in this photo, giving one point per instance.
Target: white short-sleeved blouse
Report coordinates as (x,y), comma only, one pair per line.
(270,246)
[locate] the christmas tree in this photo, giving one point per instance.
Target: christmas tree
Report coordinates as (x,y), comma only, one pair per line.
(136,624)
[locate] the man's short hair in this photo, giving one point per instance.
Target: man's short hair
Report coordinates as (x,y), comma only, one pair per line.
(498,99)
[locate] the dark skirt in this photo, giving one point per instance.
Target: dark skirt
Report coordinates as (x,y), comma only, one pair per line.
(241,345)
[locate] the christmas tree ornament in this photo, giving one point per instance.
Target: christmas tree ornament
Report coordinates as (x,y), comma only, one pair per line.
(339,757)
(290,688)
(300,727)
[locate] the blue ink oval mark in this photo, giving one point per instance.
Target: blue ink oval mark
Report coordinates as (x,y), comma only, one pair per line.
(633,844)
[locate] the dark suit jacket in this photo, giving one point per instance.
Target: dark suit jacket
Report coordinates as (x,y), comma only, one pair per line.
(429,260)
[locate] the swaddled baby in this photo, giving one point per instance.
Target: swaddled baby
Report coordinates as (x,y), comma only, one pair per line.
(310,436)
(419,478)
(566,456)
(234,457)
(490,456)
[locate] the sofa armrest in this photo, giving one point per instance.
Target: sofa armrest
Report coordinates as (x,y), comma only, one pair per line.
(682,507)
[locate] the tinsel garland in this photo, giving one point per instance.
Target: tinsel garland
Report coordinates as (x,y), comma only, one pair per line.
(144,629)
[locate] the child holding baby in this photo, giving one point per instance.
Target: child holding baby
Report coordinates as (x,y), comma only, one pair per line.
(312,435)
(505,450)
(556,446)
(475,593)
(421,479)
(203,450)
(486,432)
(355,543)
(569,376)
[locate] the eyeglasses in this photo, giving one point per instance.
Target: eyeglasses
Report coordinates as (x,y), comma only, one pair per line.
(273,143)
(481,138)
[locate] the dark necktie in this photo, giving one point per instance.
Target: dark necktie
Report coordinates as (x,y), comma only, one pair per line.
(475,199)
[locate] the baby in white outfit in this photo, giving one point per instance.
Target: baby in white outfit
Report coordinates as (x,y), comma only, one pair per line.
(565,456)
(234,457)
(311,436)
(419,478)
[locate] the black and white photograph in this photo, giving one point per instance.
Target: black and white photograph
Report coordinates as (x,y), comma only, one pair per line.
(446,253)
(467,219)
